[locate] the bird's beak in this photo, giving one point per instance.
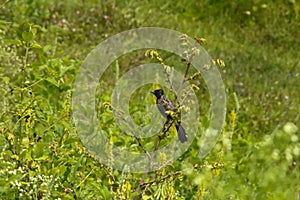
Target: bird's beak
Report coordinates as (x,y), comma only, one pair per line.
(152,91)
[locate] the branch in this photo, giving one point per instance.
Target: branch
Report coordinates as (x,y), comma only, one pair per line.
(165,129)
(120,115)
(161,179)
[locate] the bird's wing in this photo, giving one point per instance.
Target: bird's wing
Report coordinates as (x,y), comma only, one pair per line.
(162,110)
(168,104)
(164,104)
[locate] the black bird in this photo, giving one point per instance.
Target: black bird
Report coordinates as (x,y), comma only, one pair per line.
(164,104)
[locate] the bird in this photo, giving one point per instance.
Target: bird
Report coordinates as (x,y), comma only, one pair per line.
(166,107)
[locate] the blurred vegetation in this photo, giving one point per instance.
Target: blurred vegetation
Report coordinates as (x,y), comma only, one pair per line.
(42,45)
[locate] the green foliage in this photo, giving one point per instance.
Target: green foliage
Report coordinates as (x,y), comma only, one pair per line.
(42,45)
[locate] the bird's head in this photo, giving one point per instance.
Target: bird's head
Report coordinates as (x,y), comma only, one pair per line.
(158,93)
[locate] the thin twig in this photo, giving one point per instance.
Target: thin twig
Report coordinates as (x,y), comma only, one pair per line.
(188,65)
(162,178)
(85,177)
(164,130)
(138,139)
(1,6)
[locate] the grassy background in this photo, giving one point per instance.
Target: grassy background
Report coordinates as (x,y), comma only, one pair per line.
(257,156)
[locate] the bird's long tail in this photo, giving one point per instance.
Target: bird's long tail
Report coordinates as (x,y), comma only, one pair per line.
(182,136)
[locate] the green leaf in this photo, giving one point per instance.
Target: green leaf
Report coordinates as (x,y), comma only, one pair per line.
(64,69)
(36,26)
(75,169)
(28,156)
(105,192)
(52,81)
(36,46)
(71,140)
(15,42)
(25,142)
(33,31)
(38,150)
(60,169)
(6,79)
(27,36)
(4,186)
(47,48)
(43,157)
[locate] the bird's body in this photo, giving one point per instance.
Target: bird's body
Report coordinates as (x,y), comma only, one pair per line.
(165,106)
